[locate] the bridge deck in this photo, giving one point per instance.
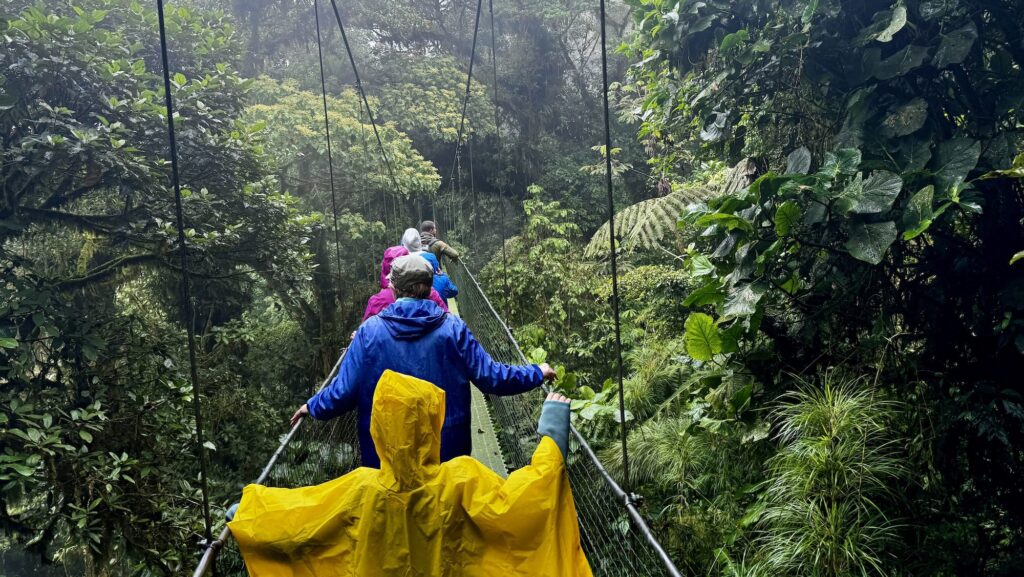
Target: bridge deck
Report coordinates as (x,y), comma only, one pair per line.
(485,441)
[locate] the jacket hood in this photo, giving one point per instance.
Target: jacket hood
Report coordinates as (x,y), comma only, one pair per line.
(427,239)
(408,320)
(385,264)
(411,241)
(408,414)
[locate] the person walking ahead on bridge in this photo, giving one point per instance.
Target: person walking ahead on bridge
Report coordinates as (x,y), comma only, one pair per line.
(434,245)
(415,337)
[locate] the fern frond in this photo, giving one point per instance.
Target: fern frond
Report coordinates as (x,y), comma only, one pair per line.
(648,224)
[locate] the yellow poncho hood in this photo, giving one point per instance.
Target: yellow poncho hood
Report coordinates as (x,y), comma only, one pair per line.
(416,516)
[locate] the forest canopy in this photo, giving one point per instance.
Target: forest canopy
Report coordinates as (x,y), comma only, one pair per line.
(820,268)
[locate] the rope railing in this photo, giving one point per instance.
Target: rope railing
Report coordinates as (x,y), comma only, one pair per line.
(610,523)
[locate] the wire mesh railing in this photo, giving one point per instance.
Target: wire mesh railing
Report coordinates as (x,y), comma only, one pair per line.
(615,536)
(312,452)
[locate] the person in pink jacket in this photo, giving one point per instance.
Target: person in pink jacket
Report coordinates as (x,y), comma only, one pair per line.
(386,296)
(381,300)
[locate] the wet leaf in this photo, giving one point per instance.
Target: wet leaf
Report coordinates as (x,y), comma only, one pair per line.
(906,119)
(898,64)
(917,217)
(787,217)
(703,339)
(877,193)
(869,241)
(842,161)
(896,23)
(799,161)
(954,159)
(743,301)
(955,46)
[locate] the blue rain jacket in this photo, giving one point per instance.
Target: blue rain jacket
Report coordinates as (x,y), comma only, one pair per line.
(442,283)
(445,287)
(415,337)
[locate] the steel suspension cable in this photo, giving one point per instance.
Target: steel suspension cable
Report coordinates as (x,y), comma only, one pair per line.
(382,193)
(186,281)
(465,100)
(474,217)
(327,129)
(497,135)
(362,94)
(611,248)
(209,558)
(610,554)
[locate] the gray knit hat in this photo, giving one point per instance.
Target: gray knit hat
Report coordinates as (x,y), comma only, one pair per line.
(409,270)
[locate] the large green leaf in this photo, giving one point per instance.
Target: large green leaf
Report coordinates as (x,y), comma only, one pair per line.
(903,61)
(723,220)
(955,46)
(912,153)
(742,302)
(842,161)
(733,41)
(896,23)
(799,161)
(954,159)
(869,241)
(859,109)
(709,294)
(877,193)
(1017,257)
(917,217)
(906,119)
(932,9)
(700,265)
(21,469)
(787,217)
(703,338)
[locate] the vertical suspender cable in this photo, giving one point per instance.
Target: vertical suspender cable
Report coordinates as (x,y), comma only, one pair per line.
(469,82)
(186,283)
(497,134)
(611,242)
(474,216)
(327,129)
(362,94)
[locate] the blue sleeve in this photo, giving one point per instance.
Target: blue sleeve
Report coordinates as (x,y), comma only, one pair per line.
(492,377)
(450,288)
(340,396)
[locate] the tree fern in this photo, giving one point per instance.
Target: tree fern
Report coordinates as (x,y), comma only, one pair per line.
(646,225)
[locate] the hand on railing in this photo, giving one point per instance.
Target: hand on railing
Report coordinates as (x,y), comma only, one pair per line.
(549,373)
(302,412)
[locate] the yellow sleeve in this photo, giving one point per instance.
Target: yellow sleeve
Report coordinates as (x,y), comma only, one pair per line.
(524,504)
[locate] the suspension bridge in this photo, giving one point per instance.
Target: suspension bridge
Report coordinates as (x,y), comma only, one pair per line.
(615,536)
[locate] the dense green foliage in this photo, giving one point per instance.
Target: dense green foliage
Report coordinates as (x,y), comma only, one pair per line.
(822,345)
(98,441)
(870,228)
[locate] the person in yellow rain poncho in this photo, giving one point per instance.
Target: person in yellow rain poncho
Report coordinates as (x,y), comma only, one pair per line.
(416,516)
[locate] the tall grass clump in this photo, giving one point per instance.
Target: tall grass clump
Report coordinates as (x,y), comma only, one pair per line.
(831,483)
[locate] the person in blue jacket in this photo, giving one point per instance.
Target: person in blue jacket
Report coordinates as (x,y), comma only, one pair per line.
(415,337)
(442,283)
